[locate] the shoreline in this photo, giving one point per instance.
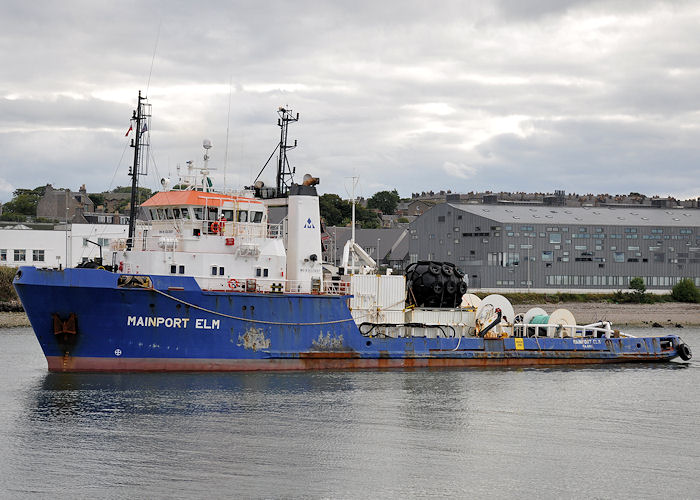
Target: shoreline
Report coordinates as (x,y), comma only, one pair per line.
(665,314)
(13,319)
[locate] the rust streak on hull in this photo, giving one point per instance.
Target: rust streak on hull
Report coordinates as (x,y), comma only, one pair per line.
(326,361)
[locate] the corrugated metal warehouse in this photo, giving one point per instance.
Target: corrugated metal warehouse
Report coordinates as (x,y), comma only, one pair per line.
(542,247)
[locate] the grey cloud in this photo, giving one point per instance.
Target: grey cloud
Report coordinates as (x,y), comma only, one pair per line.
(624,101)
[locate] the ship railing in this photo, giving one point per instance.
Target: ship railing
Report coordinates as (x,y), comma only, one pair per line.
(271,285)
(602,329)
(275,231)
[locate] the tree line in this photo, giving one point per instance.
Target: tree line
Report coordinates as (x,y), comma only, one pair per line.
(334,210)
(24,202)
(338,212)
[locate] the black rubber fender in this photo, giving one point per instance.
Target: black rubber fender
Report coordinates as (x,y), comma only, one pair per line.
(684,352)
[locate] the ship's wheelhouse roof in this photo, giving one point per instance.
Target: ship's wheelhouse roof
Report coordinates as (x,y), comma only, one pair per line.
(197,198)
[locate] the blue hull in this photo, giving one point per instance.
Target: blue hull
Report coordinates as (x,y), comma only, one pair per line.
(84,321)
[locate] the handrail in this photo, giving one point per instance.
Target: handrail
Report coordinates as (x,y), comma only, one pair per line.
(559,330)
(270,285)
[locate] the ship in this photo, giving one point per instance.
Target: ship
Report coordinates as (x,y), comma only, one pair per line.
(205,281)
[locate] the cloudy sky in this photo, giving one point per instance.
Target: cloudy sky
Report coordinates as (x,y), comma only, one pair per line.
(589,97)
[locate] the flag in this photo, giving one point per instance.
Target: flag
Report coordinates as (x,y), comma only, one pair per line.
(129,131)
(144,128)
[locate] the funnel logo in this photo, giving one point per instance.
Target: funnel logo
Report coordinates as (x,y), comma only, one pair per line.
(309,224)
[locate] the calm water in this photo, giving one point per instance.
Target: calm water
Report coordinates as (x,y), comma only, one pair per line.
(605,432)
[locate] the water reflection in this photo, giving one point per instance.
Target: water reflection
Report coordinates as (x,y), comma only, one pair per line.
(450,432)
(96,395)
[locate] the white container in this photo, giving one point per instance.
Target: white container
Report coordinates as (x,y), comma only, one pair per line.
(391,292)
(363,287)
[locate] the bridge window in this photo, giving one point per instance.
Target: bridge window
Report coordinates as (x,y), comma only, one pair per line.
(227,214)
(242,216)
(198,211)
(185,213)
(211,213)
(256,216)
(176,213)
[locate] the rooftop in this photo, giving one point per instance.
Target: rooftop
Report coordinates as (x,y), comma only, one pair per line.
(585,215)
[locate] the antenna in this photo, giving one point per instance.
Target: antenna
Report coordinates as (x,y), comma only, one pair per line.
(284,172)
(206,181)
(140,167)
(228,124)
(352,199)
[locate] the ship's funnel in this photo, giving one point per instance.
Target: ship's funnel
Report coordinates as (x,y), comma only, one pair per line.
(303,238)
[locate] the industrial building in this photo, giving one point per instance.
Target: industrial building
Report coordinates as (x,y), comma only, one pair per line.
(560,248)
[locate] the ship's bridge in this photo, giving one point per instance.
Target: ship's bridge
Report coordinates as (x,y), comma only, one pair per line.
(207,213)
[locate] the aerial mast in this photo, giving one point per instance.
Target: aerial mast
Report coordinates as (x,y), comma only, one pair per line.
(139,120)
(284,172)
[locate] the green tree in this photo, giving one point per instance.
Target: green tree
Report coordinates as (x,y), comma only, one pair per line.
(338,212)
(685,291)
(97,199)
(24,202)
(386,201)
(638,289)
(333,209)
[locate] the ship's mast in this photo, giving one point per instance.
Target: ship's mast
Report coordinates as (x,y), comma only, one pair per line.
(139,121)
(284,172)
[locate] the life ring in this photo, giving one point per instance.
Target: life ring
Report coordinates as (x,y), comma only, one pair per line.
(214,227)
(684,352)
(232,283)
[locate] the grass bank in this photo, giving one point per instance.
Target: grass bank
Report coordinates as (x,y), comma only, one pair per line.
(7,291)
